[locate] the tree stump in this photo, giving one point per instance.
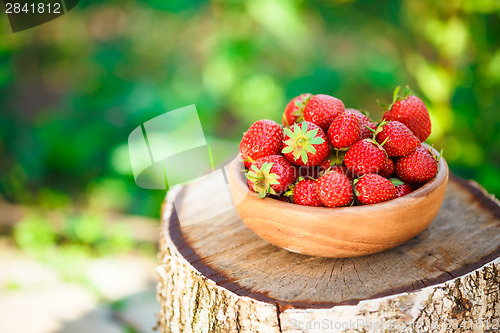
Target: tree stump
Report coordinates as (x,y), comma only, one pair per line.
(218,276)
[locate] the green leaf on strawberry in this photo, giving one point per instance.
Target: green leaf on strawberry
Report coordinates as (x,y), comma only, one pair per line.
(396,181)
(301,141)
(263,179)
(301,104)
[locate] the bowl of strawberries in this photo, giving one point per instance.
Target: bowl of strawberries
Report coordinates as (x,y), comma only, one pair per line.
(331,182)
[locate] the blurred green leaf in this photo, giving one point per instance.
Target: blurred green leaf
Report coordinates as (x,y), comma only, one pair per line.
(72,91)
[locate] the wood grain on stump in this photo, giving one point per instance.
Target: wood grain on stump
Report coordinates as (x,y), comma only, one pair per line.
(218,276)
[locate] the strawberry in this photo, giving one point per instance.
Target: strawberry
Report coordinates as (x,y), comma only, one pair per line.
(372,188)
(417,167)
(304,193)
(396,138)
(305,144)
(344,131)
(365,156)
(294,110)
(388,169)
(411,111)
(365,124)
(334,189)
(322,110)
(401,188)
(270,174)
(263,138)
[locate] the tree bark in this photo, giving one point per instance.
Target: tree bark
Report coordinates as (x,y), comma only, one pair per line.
(218,276)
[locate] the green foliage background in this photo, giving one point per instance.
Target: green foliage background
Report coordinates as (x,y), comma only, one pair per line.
(73,89)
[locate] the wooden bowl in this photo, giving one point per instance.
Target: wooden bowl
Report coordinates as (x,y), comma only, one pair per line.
(338,232)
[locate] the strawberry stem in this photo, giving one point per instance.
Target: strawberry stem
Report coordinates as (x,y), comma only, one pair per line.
(395,98)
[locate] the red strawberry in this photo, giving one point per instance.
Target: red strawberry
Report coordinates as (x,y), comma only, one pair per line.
(365,156)
(372,188)
(401,188)
(388,169)
(411,111)
(294,110)
(365,123)
(263,138)
(417,167)
(344,130)
(305,144)
(396,138)
(271,174)
(305,193)
(334,189)
(322,110)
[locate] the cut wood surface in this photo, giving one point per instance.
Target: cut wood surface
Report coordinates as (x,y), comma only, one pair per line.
(218,276)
